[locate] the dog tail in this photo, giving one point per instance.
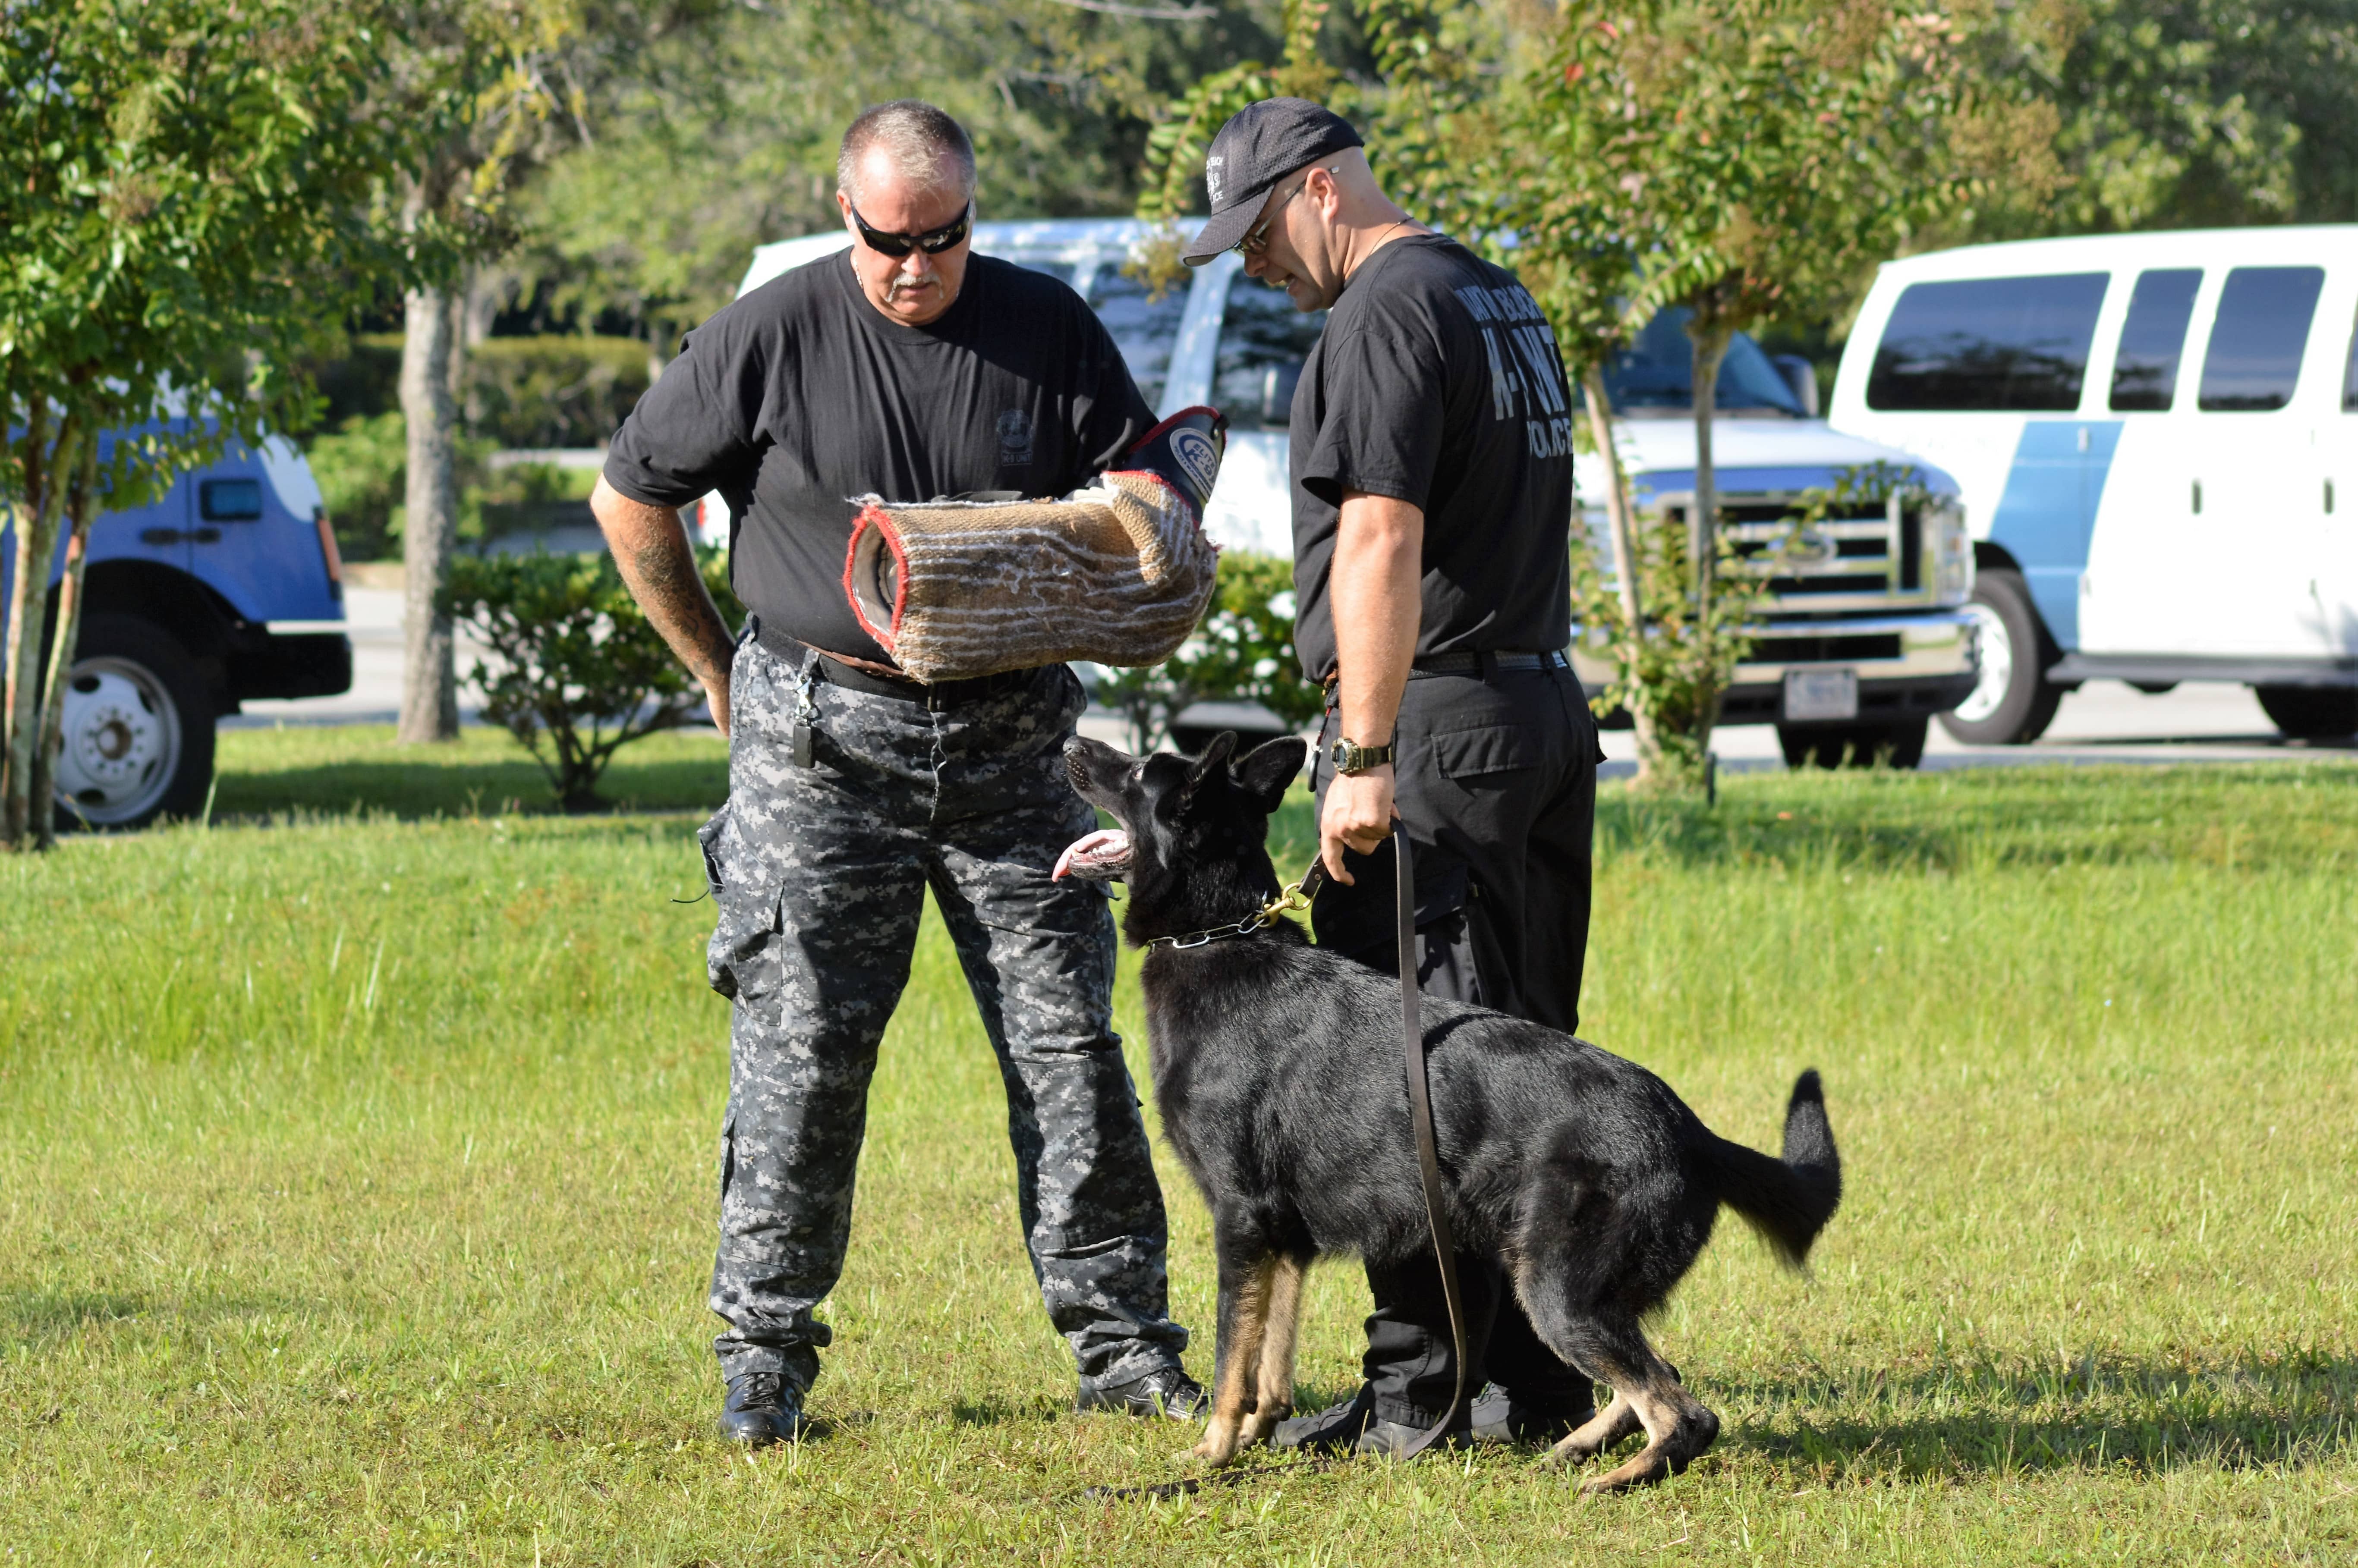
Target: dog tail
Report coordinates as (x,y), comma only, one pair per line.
(1788,1201)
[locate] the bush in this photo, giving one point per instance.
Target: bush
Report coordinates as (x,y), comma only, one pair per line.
(577,672)
(1243,651)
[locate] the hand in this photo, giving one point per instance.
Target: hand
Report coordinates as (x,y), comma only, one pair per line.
(715,698)
(1358,815)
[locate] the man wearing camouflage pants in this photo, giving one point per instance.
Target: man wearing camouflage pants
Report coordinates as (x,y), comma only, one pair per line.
(908,368)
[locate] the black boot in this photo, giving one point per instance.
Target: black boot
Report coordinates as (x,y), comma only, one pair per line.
(761,1407)
(1352,1427)
(1499,1417)
(1165,1392)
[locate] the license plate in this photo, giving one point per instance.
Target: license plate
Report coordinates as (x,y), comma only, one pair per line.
(1817,695)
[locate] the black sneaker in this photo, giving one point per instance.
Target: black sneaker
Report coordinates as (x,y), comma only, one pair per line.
(1499,1417)
(1165,1392)
(761,1407)
(1351,1427)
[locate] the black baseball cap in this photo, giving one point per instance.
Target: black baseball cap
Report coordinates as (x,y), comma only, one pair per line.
(1261,145)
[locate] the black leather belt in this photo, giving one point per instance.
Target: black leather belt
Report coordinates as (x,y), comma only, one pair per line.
(936,696)
(1485,664)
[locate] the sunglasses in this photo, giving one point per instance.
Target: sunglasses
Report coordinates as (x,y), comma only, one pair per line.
(1256,239)
(945,238)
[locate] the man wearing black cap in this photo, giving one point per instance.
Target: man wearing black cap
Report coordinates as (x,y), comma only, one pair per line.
(1431,469)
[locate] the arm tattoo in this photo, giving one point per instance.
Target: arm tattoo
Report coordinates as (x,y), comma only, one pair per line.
(673,598)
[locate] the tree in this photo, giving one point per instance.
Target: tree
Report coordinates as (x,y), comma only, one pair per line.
(185,198)
(486,89)
(724,137)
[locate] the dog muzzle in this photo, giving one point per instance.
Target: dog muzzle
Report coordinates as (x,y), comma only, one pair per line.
(1117,574)
(1102,857)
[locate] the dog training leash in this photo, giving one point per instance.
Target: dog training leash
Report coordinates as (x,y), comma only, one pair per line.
(1428,1150)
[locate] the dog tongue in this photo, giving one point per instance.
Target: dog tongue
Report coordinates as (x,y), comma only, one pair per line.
(1101,857)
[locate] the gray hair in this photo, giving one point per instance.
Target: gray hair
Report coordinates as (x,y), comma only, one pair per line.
(916,137)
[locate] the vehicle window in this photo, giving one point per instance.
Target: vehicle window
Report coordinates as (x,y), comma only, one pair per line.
(1988,343)
(2145,372)
(1144,329)
(2257,342)
(2349,379)
(1263,341)
(1657,371)
(229,500)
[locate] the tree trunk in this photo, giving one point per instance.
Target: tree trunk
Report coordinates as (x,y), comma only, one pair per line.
(429,687)
(1710,339)
(1625,570)
(28,597)
(81,499)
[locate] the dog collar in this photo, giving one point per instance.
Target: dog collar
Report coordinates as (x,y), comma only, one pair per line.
(1296,897)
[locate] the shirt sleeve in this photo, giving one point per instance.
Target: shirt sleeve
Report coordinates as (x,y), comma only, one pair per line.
(1382,389)
(1110,414)
(692,431)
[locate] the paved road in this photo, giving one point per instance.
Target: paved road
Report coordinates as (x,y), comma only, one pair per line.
(2104,721)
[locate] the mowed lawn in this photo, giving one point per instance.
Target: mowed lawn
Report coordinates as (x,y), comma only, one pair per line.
(357,1177)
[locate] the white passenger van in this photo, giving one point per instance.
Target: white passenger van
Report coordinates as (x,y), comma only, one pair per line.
(1860,646)
(2157,437)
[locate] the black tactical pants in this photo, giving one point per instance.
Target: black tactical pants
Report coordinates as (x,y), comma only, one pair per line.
(819,871)
(1497,782)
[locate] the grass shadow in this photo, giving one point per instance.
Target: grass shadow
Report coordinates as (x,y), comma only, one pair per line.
(1964,1421)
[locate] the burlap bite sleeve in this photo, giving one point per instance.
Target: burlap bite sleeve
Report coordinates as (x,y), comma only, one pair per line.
(1118,574)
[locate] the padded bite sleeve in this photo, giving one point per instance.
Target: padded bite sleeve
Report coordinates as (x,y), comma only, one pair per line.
(1118,573)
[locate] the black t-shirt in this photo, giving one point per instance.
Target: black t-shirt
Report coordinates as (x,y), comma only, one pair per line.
(1437,382)
(802,395)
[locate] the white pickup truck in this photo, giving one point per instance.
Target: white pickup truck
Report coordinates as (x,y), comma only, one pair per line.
(1872,621)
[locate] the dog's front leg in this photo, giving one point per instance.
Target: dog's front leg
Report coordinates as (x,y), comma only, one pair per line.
(1244,1276)
(1273,1392)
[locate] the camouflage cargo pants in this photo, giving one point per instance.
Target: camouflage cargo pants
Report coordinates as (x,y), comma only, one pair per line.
(820,873)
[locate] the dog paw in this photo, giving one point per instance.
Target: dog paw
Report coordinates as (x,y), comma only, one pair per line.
(1649,1465)
(1219,1446)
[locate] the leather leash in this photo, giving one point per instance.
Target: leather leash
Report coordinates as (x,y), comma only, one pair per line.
(1428,1151)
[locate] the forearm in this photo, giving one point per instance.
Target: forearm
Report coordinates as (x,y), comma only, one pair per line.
(650,546)
(1376,587)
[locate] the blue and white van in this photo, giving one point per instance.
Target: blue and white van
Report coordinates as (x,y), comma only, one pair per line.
(223,588)
(1863,645)
(2157,437)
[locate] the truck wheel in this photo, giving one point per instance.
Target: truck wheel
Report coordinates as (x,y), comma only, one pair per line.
(138,731)
(1853,746)
(2012,703)
(2310,712)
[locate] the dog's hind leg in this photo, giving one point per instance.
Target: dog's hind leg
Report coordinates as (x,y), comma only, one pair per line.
(1607,1343)
(1273,1380)
(1246,1273)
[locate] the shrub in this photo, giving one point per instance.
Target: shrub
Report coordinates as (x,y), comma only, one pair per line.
(553,391)
(1243,651)
(577,672)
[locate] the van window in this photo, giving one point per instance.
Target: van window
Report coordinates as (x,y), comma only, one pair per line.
(1988,343)
(1263,341)
(2255,344)
(1144,329)
(2145,372)
(229,500)
(1657,371)
(2349,379)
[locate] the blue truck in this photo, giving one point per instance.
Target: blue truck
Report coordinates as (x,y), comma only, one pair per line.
(224,589)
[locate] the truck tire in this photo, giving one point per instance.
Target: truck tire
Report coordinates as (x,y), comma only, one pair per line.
(139,731)
(1853,746)
(2013,702)
(2310,712)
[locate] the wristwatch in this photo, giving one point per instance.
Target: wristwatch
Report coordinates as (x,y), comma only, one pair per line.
(1348,758)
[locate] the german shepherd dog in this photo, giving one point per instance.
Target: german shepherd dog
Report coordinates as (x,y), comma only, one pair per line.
(1278,1069)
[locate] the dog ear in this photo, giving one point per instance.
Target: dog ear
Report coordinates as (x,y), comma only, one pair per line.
(1267,774)
(1203,767)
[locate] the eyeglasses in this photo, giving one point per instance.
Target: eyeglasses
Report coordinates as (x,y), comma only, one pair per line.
(1256,239)
(945,238)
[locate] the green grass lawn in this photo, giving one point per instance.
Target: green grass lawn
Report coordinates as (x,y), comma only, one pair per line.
(357,1180)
